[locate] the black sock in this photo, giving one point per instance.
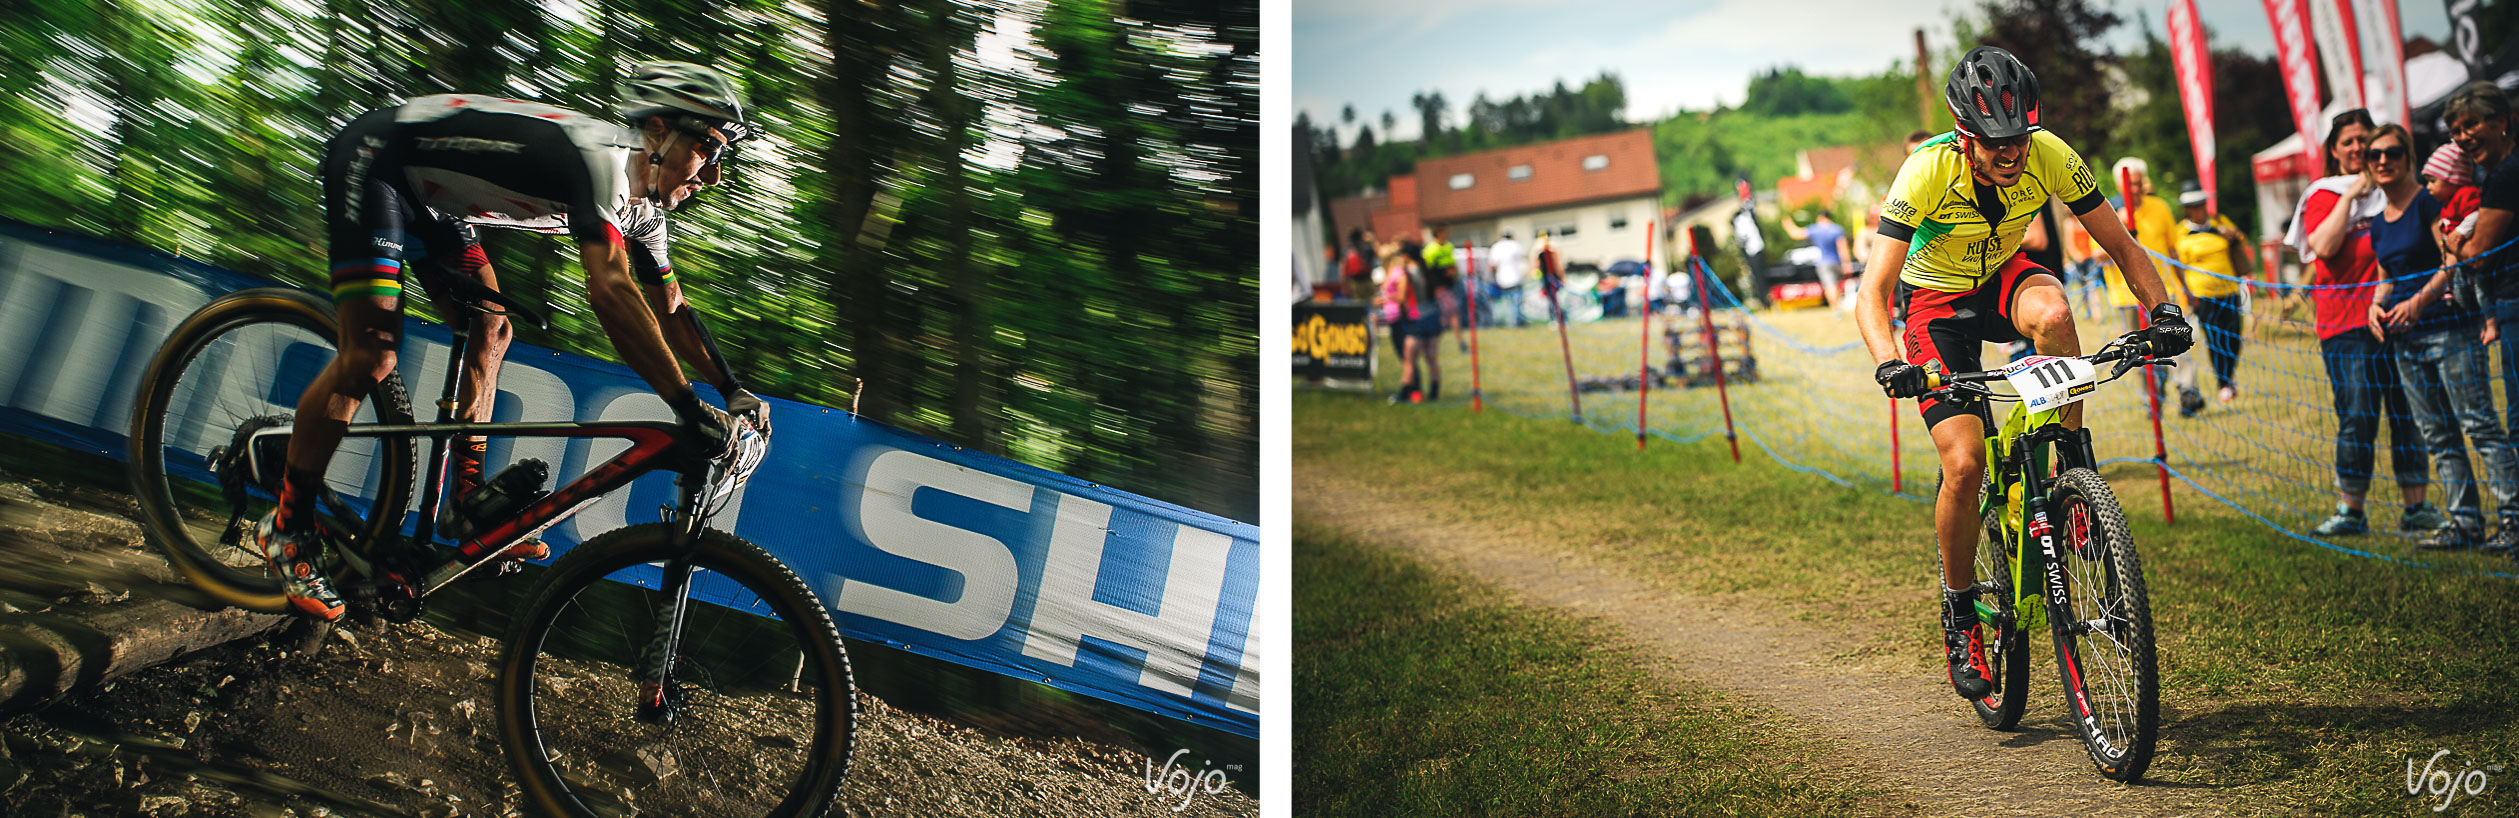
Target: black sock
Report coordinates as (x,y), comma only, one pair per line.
(297,497)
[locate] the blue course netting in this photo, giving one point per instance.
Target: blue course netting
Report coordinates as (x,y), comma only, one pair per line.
(1801,391)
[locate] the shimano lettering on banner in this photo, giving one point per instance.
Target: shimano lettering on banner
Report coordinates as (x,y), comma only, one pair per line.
(913,543)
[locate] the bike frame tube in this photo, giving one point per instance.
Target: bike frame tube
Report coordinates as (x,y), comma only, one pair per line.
(2001,448)
(442,446)
(650,441)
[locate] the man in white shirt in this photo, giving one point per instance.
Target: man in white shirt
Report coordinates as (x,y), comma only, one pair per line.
(1511,265)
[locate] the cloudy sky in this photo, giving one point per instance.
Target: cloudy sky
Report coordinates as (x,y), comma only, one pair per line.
(1672,54)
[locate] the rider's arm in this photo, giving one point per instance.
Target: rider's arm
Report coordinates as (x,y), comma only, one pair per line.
(1796,231)
(2132,261)
(689,338)
(1871,303)
(627,321)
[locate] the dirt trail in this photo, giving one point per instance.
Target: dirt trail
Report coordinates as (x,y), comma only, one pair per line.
(392,719)
(1885,716)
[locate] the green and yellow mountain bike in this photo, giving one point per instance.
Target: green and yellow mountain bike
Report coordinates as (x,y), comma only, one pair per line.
(2058,554)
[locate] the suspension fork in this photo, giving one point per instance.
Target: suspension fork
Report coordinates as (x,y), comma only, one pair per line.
(655,671)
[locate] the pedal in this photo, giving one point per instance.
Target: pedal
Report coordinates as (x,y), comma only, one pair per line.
(398,600)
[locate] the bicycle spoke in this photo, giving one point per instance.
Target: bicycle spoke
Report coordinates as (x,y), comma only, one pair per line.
(737,735)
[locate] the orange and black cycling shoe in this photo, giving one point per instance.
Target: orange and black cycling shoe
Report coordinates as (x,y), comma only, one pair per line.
(296,557)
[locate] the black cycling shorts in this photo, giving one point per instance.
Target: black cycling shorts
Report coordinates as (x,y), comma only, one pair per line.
(373,228)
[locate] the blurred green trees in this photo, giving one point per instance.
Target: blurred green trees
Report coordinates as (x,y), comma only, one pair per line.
(1026,225)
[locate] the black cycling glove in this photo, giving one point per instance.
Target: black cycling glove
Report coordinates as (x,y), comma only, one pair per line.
(1900,379)
(2169,333)
(742,403)
(710,431)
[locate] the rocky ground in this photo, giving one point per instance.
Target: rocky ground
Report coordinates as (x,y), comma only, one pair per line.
(396,719)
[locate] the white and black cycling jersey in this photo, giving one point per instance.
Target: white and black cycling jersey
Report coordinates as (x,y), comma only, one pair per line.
(522,165)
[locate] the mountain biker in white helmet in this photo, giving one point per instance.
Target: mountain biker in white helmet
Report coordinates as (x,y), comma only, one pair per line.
(405,186)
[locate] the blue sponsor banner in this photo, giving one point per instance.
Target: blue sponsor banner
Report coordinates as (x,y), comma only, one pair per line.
(911,542)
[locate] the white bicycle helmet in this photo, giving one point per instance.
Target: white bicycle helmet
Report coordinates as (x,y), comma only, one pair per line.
(662,87)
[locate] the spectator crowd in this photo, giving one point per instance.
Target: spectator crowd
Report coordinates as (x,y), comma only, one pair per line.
(1421,289)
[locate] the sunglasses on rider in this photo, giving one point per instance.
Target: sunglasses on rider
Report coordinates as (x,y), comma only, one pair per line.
(711,148)
(2005,143)
(2391,152)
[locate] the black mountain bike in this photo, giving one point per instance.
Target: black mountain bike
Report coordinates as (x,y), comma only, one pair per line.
(664,668)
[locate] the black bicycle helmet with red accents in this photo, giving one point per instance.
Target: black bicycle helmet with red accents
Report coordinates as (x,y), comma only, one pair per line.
(1992,95)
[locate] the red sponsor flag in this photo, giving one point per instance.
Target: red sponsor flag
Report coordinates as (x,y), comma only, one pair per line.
(2194,64)
(2300,72)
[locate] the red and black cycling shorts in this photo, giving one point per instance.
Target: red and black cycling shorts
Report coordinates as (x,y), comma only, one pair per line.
(1954,327)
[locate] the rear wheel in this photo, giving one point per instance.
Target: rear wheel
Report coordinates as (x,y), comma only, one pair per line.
(2006,649)
(757,715)
(2104,636)
(209,440)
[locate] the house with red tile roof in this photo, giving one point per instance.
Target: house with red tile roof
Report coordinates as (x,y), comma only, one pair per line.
(1595,195)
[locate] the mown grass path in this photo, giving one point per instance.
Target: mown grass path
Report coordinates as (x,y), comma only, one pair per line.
(2296,680)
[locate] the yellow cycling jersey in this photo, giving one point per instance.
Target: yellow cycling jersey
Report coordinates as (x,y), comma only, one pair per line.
(1953,245)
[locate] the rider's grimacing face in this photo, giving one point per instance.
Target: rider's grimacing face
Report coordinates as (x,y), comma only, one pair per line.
(1998,162)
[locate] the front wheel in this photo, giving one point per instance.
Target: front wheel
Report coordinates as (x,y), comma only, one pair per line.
(2103,633)
(756,714)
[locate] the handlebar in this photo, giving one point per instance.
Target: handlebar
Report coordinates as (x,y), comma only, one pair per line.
(2127,352)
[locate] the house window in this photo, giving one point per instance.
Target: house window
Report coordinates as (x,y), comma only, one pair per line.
(1618,222)
(1563,231)
(1596,161)
(1518,172)
(1462,181)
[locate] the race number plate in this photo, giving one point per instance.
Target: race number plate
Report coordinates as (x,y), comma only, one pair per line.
(2045,383)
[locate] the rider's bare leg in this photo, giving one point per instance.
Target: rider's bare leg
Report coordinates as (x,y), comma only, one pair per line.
(370,330)
(2042,314)
(491,336)
(1961,444)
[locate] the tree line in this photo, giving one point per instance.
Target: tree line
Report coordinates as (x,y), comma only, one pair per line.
(1023,228)
(1596,106)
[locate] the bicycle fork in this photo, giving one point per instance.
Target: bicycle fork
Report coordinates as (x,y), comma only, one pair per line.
(659,696)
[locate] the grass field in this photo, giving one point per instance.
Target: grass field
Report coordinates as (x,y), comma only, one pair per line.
(2296,678)
(1813,405)
(1422,693)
